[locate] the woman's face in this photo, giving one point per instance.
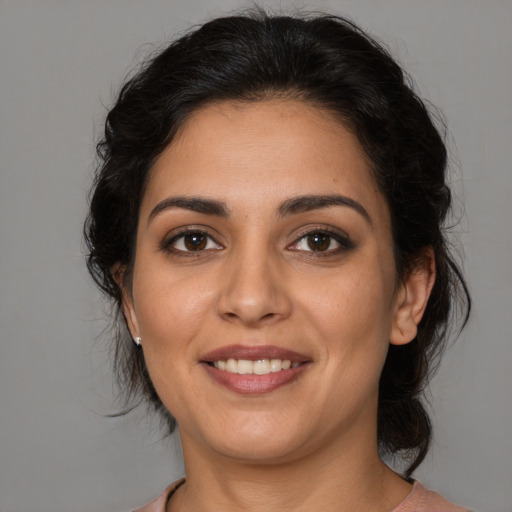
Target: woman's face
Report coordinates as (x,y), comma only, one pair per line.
(264,283)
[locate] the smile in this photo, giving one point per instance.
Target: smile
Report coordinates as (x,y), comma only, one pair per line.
(254,369)
(258,367)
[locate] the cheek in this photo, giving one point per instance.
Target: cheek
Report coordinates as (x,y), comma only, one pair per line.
(167,304)
(354,324)
(171,311)
(352,315)
(357,302)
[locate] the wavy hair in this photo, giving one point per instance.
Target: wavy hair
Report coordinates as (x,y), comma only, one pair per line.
(326,61)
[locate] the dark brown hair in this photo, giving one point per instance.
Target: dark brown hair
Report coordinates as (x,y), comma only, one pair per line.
(330,62)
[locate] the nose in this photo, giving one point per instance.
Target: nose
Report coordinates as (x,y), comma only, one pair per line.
(254,290)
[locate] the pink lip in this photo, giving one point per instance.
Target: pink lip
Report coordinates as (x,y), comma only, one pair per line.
(253,353)
(254,384)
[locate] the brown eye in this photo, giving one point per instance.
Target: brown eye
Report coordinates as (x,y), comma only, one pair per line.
(323,243)
(192,241)
(195,241)
(319,241)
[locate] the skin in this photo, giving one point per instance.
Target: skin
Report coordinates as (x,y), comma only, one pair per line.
(310,444)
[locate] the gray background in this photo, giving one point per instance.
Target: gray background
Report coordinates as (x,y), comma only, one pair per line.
(59,62)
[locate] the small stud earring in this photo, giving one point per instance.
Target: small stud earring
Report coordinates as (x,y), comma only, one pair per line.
(137,340)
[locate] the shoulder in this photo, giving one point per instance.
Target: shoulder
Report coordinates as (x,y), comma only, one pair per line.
(159,504)
(420,499)
(423,500)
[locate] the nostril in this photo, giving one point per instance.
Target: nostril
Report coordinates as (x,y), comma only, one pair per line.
(254,302)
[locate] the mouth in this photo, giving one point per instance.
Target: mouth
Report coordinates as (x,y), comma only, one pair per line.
(254,369)
(258,367)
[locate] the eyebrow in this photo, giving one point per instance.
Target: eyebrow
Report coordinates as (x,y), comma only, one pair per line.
(195,204)
(292,206)
(301,204)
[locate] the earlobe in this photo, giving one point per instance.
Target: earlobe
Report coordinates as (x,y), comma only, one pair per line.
(411,300)
(119,274)
(130,317)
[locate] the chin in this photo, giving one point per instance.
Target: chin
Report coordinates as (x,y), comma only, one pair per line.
(259,441)
(258,452)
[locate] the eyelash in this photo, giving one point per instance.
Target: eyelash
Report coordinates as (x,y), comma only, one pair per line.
(343,241)
(168,245)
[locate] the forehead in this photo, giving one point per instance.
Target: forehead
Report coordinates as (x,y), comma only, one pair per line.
(260,151)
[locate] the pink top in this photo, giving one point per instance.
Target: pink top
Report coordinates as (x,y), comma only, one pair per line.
(418,500)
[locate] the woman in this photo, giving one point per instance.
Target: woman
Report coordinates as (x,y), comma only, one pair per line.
(267,217)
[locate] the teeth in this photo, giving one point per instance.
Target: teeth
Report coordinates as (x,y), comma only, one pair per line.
(259,367)
(276,365)
(232,366)
(245,366)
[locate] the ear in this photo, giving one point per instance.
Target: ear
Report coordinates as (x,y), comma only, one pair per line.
(411,299)
(119,275)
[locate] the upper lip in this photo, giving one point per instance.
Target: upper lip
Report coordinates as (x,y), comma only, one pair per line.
(254,353)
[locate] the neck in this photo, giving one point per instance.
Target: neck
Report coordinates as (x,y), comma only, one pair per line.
(341,479)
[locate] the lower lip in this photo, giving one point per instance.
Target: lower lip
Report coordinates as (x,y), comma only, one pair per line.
(251,384)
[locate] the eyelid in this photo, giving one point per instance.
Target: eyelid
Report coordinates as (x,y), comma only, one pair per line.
(340,236)
(178,233)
